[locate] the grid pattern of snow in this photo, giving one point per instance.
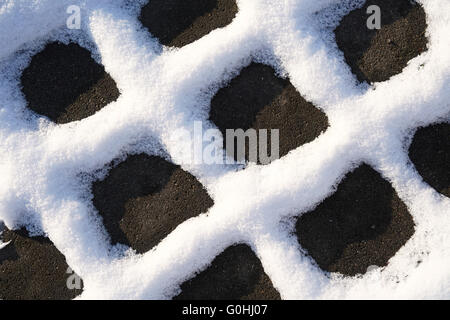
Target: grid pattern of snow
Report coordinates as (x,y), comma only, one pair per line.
(164,90)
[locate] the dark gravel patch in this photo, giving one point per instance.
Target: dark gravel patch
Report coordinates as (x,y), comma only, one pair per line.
(258,99)
(377,55)
(235,274)
(32,268)
(430,153)
(363,223)
(65,84)
(177,23)
(145,198)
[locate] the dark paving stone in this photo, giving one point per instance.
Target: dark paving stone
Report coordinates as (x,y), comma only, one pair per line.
(258,99)
(32,268)
(377,55)
(145,198)
(235,274)
(430,153)
(363,223)
(178,22)
(65,84)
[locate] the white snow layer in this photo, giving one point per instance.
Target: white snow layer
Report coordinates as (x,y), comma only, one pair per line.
(164,90)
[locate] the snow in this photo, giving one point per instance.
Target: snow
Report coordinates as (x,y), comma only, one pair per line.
(3,244)
(164,90)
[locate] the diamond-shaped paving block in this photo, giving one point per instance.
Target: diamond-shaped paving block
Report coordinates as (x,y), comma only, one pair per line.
(234,274)
(177,22)
(258,99)
(363,224)
(65,84)
(430,153)
(32,268)
(376,55)
(145,198)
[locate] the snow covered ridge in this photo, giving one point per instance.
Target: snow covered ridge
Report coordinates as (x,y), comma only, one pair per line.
(163,90)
